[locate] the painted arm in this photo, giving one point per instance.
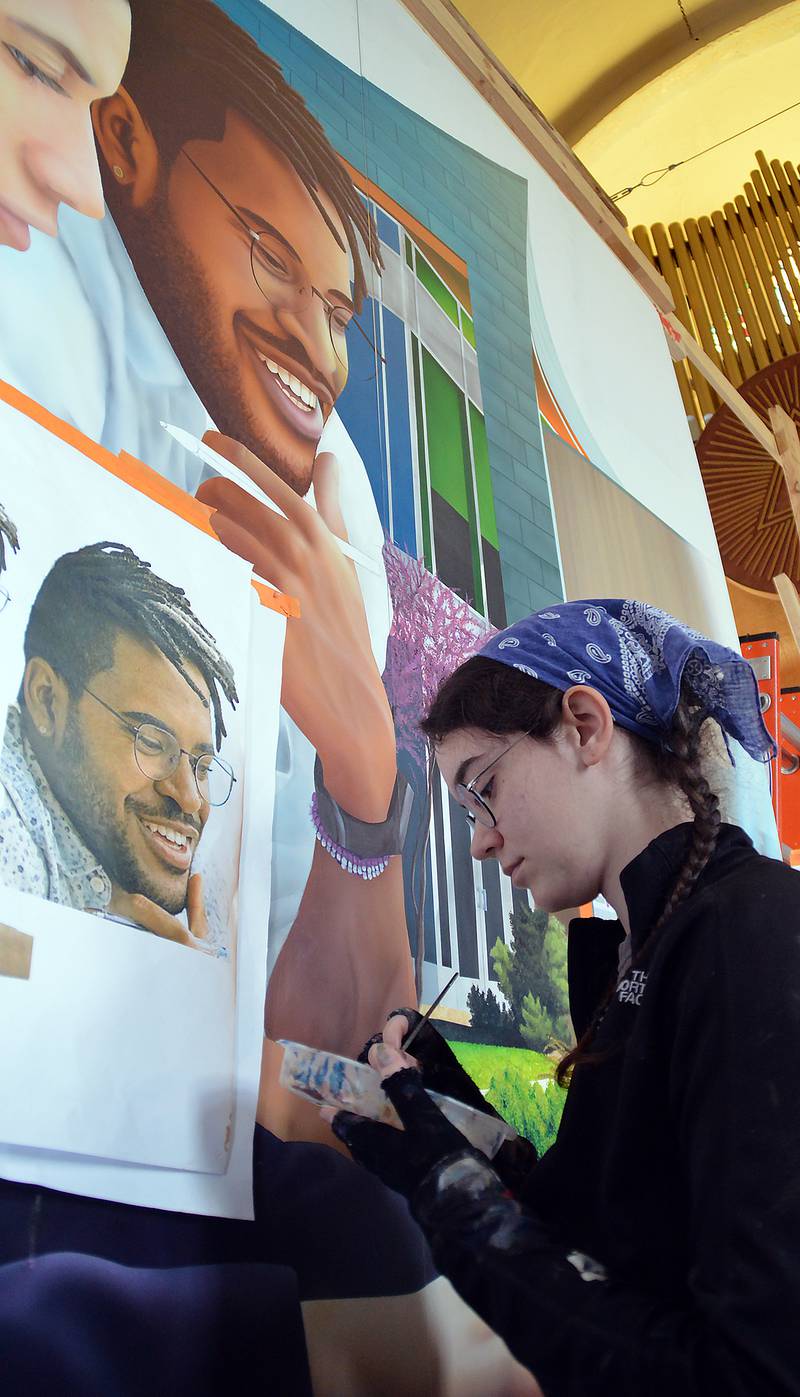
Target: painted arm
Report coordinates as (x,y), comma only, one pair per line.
(346,961)
(345,964)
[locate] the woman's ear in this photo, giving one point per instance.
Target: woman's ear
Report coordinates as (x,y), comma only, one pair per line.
(127,146)
(586,714)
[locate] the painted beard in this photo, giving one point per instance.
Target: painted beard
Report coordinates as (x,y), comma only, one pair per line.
(100,828)
(189,313)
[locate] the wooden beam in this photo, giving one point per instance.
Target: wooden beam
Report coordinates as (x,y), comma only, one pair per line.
(790,601)
(788,444)
(680,339)
(448,28)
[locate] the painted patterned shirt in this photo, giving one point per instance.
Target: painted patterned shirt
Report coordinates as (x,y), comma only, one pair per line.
(41,851)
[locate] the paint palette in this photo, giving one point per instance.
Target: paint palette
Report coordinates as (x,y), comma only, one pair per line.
(331,1080)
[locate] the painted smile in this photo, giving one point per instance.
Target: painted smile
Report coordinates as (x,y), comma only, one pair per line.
(300,403)
(173,845)
(296,391)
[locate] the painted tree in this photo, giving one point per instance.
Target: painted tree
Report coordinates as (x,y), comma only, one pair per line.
(532,973)
(492,1021)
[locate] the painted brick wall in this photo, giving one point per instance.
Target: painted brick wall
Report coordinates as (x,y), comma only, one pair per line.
(479,210)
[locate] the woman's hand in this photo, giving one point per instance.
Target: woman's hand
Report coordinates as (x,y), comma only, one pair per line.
(440,1068)
(441,1071)
(402,1159)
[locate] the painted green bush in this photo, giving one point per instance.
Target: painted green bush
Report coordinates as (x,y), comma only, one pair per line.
(533,1110)
(510,1078)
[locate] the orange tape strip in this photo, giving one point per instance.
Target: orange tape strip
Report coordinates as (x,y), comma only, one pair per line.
(143,478)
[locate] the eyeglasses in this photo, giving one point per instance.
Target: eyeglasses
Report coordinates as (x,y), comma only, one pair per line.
(158,754)
(4,598)
(294,295)
(475,807)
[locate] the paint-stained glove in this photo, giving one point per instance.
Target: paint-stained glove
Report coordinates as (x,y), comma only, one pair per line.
(403,1159)
(442,1072)
(440,1068)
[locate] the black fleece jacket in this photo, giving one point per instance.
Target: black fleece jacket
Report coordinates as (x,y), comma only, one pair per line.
(655,1251)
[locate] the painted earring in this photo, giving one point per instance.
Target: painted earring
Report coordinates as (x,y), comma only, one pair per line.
(118,171)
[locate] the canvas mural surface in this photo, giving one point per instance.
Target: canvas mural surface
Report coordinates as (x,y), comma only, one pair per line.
(93,818)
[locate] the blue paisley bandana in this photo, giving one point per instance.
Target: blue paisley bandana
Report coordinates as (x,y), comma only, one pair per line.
(636,656)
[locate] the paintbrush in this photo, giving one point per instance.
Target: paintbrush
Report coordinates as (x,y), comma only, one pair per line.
(440,996)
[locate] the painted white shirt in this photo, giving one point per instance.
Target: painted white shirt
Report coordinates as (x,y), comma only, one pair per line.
(78,335)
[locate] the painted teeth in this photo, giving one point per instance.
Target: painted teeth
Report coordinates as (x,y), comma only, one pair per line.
(173,836)
(308,399)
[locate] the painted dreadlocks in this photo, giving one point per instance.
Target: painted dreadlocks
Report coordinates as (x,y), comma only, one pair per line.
(92,594)
(8,534)
(189,64)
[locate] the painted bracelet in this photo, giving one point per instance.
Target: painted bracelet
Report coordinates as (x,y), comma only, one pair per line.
(352,863)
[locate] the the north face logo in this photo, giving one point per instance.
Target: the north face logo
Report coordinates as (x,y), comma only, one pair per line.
(630,991)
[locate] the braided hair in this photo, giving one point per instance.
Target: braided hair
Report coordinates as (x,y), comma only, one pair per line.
(678,763)
(485,694)
(189,64)
(8,534)
(89,596)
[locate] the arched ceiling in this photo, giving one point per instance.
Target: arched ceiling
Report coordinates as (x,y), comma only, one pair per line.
(634,87)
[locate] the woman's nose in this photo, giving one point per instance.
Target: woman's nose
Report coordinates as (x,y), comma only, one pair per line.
(485,841)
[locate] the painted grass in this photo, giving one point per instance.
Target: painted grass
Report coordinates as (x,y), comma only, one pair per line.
(484,1062)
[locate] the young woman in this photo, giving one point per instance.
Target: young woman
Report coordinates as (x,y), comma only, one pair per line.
(655,1248)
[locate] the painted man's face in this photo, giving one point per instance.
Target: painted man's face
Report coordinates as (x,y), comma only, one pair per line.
(56,57)
(266,369)
(144,833)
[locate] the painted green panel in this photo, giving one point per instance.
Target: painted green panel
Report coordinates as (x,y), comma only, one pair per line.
(449,457)
(448,445)
(433,283)
(483,476)
(421,456)
(468,328)
(409,253)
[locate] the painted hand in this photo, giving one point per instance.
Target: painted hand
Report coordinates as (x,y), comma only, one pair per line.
(331,685)
(148,915)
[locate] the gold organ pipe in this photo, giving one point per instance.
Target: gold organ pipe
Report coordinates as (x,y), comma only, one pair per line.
(767,276)
(694,296)
(774,195)
(742,292)
(772,250)
(772,349)
(730,363)
(789,202)
(747,364)
(783,243)
(734,276)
